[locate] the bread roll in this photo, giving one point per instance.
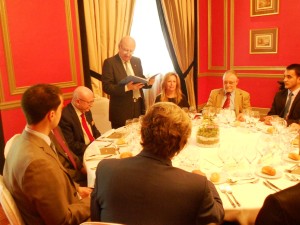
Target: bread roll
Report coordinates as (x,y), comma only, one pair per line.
(294,156)
(269,170)
(270,130)
(214,177)
(125,155)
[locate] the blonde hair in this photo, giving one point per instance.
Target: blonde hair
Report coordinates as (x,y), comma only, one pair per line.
(165,129)
(164,82)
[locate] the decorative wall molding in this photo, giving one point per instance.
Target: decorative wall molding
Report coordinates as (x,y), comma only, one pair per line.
(225,37)
(14,90)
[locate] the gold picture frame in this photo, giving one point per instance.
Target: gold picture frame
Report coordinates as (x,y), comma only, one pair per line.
(264,7)
(263,41)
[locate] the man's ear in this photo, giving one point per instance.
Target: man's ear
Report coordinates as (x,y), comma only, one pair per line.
(51,115)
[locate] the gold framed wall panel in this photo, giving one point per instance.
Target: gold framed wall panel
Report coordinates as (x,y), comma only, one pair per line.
(14,90)
(248,68)
(225,37)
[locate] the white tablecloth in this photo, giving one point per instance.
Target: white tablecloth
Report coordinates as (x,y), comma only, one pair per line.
(251,196)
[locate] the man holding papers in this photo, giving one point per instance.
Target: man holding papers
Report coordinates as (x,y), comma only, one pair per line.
(126,99)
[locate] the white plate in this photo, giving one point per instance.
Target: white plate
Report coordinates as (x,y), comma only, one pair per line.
(286,158)
(223,178)
(276,176)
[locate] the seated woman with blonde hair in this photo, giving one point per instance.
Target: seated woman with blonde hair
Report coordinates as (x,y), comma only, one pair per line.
(171,91)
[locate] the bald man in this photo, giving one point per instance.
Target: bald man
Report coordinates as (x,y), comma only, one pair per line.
(126,100)
(77,122)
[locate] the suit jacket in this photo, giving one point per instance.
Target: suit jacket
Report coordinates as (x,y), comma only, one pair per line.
(73,133)
(278,106)
(146,189)
(281,208)
(42,188)
(76,174)
(121,103)
(242,99)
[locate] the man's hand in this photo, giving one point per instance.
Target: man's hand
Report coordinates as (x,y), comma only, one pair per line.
(136,86)
(267,120)
(151,81)
(84,192)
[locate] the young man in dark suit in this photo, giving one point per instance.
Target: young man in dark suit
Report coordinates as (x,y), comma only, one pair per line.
(281,208)
(286,103)
(147,189)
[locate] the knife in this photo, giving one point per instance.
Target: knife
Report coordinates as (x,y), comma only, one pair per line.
(269,186)
(273,185)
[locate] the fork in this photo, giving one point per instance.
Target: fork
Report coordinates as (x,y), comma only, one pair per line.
(229,191)
(223,190)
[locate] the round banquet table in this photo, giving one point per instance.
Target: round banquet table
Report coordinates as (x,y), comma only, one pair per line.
(250,195)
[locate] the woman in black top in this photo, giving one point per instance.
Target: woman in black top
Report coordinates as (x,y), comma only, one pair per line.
(171,91)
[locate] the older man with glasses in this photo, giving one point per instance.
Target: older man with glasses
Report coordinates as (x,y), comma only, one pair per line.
(230,97)
(77,122)
(126,100)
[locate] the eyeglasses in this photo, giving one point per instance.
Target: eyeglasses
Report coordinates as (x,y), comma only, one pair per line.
(127,51)
(229,82)
(88,102)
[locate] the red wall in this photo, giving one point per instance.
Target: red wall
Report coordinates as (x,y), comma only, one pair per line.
(39,43)
(258,73)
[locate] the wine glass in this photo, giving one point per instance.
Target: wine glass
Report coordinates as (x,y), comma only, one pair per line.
(250,154)
(224,153)
(255,117)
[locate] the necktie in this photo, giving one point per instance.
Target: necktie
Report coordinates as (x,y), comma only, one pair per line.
(287,106)
(63,145)
(86,128)
(227,101)
(136,93)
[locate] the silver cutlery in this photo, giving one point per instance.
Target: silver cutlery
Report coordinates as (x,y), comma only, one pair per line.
(269,186)
(292,177)
(252,180)
(229,191)
(223,190)
(97,157)
(292,168)
(273,185)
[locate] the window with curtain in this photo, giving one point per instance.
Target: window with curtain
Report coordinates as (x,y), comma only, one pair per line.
(150,43)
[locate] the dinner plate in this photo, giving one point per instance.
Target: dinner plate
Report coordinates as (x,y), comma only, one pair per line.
(276,176)
(286,158)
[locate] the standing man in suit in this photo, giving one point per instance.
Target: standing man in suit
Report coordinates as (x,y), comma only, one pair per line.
(281,208)
(238,99)
(286,103)
(126,101)
(77,123)
(41,187)
(147,189)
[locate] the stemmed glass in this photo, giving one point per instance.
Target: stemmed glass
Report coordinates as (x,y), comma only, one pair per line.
(255,117)
(250,154)
(247,116)
(224,153)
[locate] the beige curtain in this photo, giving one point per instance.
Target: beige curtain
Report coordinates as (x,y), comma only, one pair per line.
(179,17)
(107,21)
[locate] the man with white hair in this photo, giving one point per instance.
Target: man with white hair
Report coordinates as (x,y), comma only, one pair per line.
(230,96)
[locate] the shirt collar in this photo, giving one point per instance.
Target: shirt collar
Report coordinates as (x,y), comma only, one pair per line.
(46,138)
